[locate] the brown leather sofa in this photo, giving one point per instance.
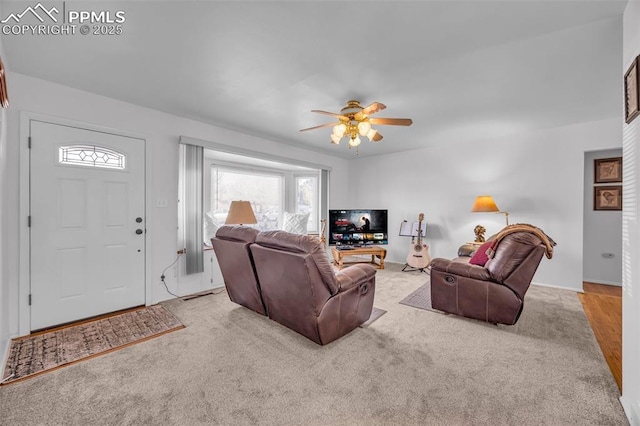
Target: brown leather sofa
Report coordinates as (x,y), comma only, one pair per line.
(302,292)
(494,292)
(231,245)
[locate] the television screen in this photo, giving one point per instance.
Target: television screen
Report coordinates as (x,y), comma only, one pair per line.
(357,227)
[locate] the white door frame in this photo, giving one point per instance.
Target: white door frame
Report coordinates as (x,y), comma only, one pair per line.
(24,309)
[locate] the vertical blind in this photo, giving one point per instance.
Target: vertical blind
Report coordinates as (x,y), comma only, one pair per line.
(192,157)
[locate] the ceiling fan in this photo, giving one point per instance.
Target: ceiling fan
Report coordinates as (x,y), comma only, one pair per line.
(355,121)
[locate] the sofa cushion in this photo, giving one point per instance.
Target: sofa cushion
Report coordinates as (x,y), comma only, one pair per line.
(282,240)
(459,268)
(480,257)
(510,254)
(295,223)
(210,228)
(237,233)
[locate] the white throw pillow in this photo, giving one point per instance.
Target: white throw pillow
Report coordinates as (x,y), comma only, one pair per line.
(296,223)
(210,228)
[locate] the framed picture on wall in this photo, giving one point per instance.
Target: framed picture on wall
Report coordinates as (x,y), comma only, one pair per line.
(607,197)
(608,170)
(631,92)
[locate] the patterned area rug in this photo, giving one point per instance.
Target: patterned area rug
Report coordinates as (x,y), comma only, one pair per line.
(420,298)
(375,314)
(49,350)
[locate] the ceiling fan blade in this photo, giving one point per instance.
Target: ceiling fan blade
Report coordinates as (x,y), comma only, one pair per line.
(319,127)
(333,114)
(373,108)
(391,121)
(377,137)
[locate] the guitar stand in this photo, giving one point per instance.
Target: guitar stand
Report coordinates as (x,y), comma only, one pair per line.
(408,268)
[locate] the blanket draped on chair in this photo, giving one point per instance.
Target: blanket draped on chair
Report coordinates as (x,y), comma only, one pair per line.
(524,227)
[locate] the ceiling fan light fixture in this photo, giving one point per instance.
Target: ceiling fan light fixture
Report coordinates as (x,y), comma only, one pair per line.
(354,122)
(363,128)
(339,130)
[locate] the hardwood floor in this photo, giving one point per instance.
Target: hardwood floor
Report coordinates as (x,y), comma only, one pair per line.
(603,307)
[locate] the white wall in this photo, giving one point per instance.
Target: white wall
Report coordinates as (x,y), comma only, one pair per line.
(4,270)
(537,177)
(602,230)
(631,232)
(162,132)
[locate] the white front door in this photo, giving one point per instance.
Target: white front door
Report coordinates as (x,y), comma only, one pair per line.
(87,233)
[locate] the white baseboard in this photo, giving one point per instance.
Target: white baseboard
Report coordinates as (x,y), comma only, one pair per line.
(632,411)
(579,290)
(588,280)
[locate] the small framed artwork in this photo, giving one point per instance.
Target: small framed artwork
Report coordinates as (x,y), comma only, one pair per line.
(631,92)
(607,197)
(608,170)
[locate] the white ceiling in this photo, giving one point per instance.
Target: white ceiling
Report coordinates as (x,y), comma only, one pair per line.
(462,70)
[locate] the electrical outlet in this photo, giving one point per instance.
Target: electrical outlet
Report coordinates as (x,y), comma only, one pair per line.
(162,202)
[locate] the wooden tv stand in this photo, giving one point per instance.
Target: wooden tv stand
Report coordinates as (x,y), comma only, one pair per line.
(375,252)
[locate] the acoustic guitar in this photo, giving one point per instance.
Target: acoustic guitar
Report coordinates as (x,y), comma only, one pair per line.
(418,257)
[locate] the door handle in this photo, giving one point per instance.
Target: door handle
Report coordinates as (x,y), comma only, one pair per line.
(138,219)
(139,231)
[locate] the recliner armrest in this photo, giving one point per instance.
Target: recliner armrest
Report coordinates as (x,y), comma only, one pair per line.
(461,269)
(354,275)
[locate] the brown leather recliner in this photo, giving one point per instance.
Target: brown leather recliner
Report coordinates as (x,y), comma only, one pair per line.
(493,293)
(231,245)
(302,292)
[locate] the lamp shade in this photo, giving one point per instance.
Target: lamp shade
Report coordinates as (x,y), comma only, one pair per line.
(363,128)
(484,203)
(339,130)
(241,213)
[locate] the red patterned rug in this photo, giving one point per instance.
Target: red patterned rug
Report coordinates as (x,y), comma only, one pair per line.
(49,350)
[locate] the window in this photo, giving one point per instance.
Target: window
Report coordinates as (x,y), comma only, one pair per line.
(264,190)
(271,187)
(306,193)
(91,156)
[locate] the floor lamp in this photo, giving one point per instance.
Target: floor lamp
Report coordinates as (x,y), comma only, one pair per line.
(485,204)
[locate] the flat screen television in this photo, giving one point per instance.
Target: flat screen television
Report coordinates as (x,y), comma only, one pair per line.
(358,227)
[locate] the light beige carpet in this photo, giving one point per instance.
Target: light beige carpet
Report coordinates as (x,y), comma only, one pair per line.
(231,366)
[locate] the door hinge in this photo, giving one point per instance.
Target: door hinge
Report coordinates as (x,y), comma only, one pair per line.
(29,142)
(29,300)
(29,221)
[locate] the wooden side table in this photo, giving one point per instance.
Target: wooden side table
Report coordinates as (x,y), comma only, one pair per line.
(378,253)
